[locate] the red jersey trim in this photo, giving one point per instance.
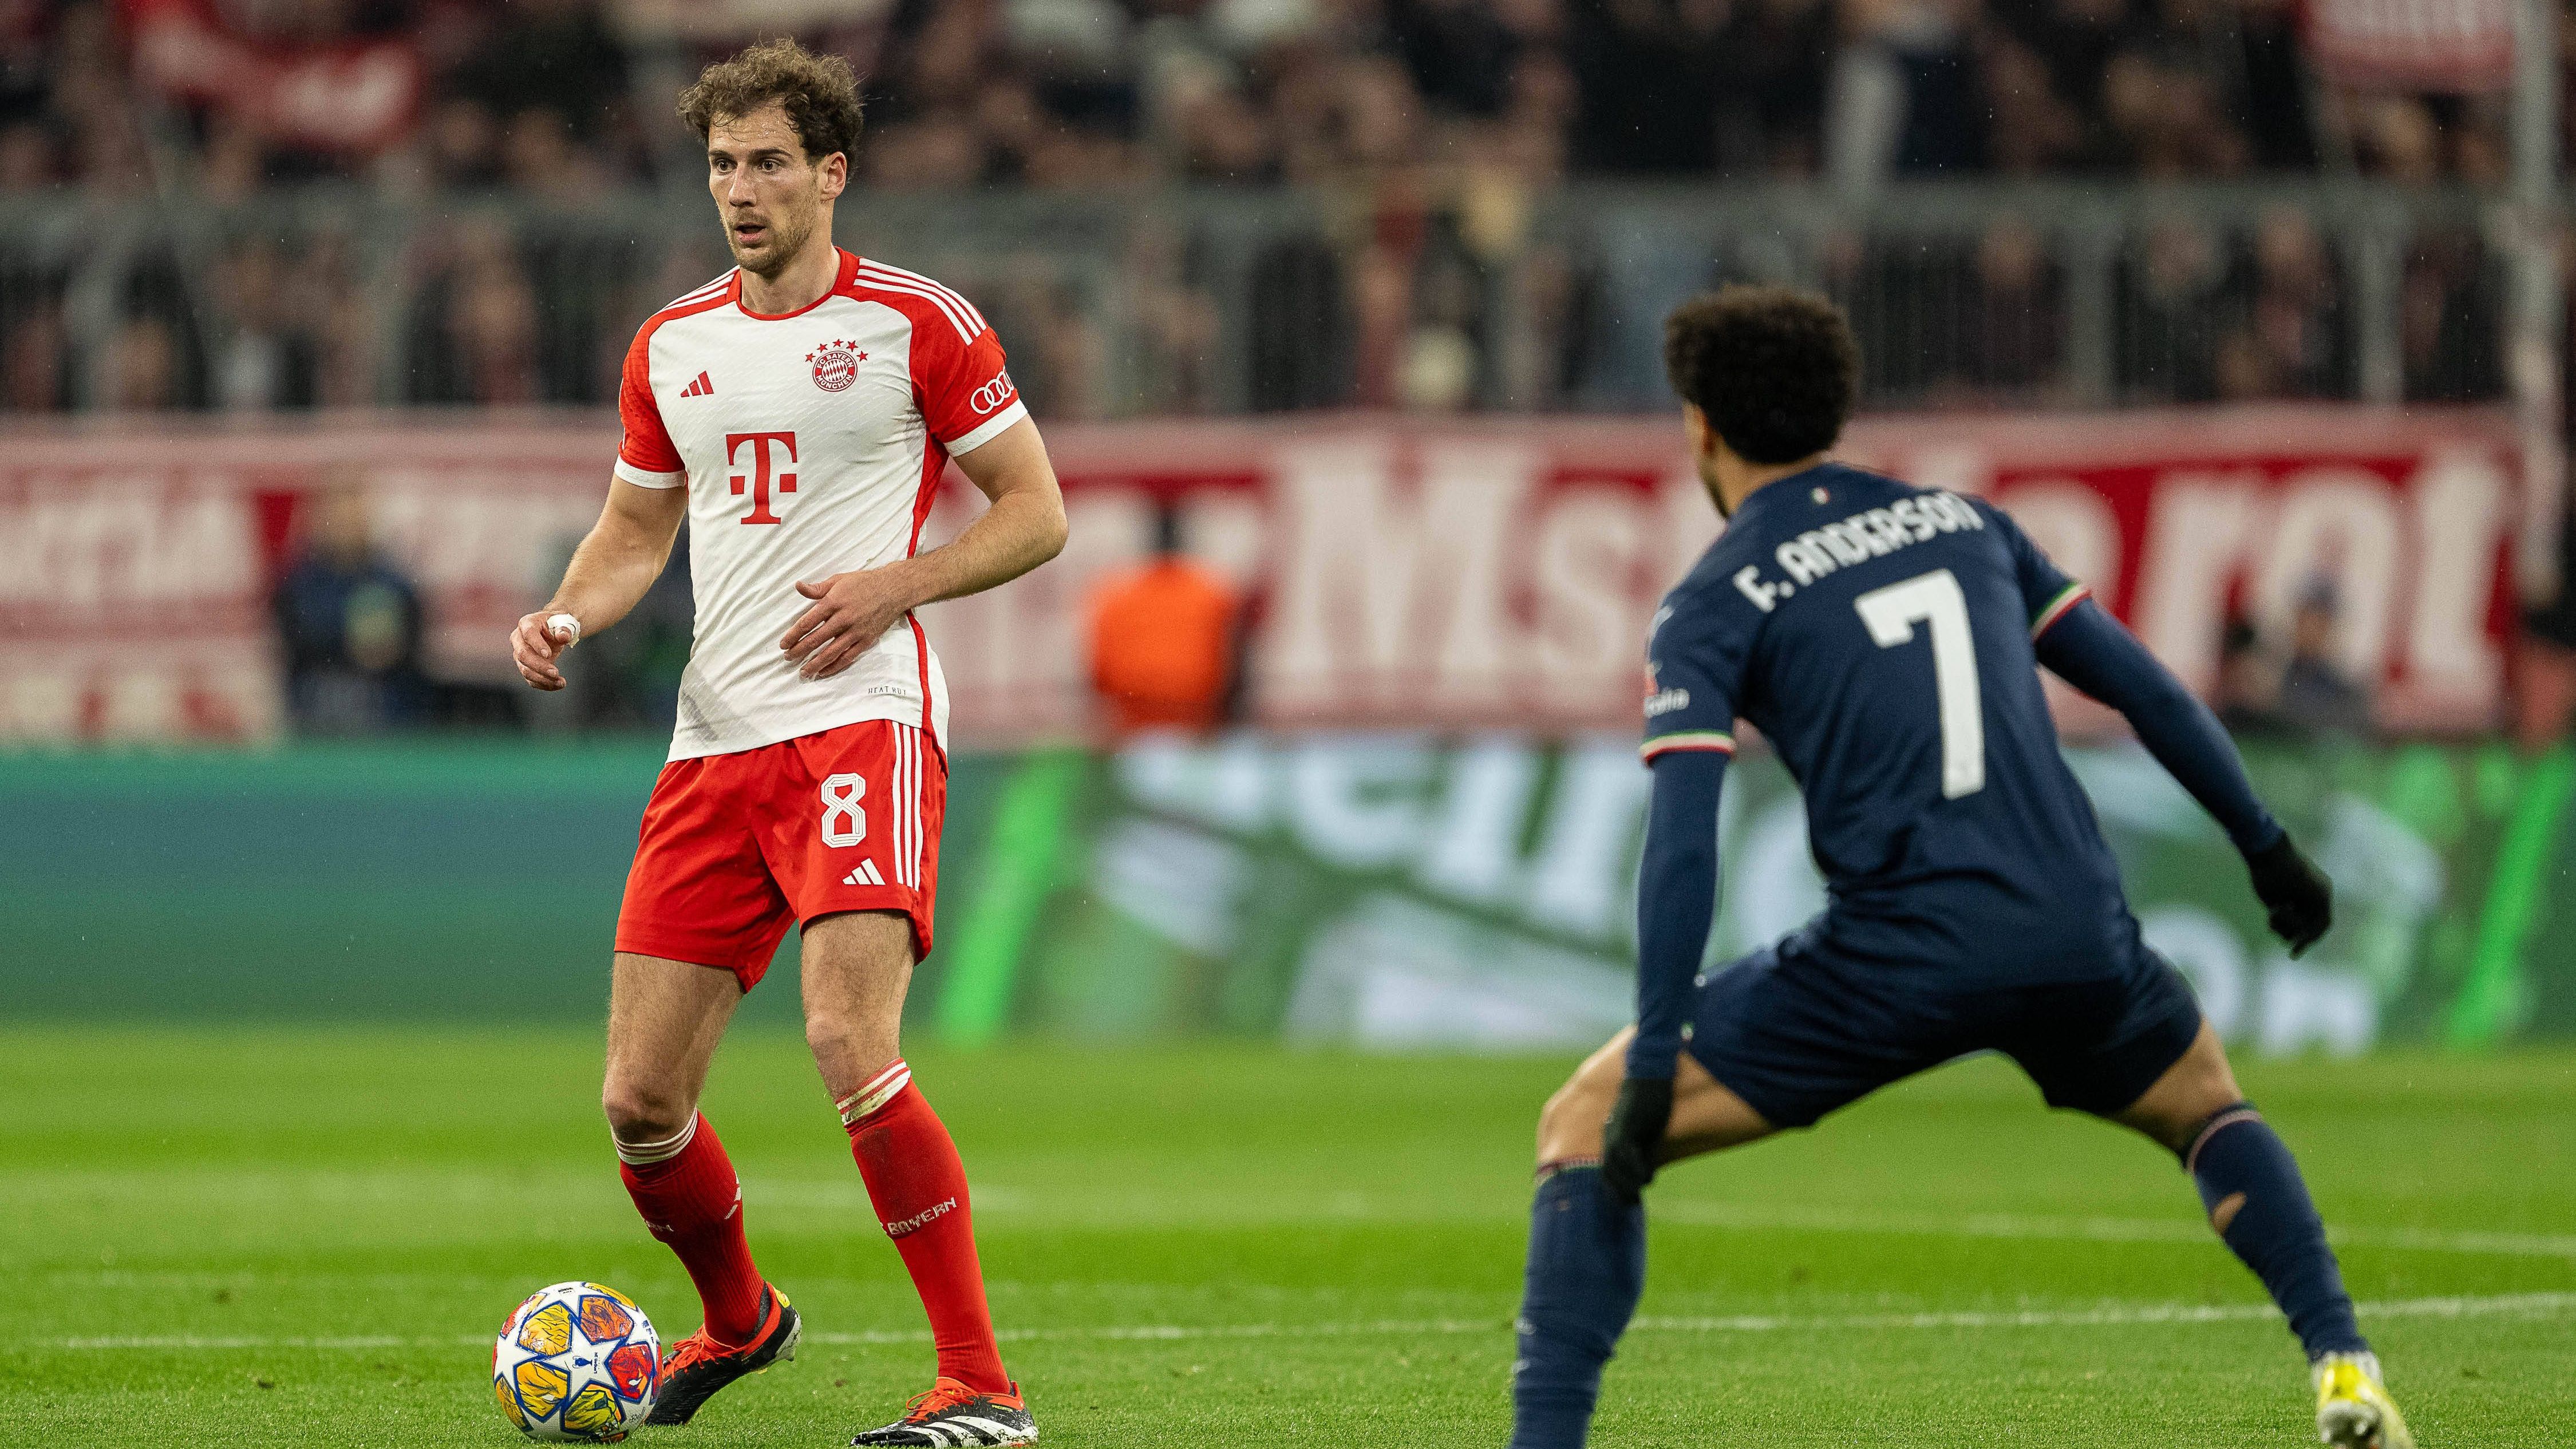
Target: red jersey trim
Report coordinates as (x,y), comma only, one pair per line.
(934,468)
(706,299)
(921,660)
(961,314)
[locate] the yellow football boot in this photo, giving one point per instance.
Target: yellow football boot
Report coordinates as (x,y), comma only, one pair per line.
(2353,1407)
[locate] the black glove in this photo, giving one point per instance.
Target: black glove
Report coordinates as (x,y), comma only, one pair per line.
(2298,897)
(1634,1144)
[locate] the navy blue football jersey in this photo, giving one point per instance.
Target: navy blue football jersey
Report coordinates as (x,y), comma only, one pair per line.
(1880,638)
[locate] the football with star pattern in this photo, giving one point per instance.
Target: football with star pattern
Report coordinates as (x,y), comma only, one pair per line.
(577,1362)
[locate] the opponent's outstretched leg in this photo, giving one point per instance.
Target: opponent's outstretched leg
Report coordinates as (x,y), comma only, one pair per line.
(1587,1249)
(2259,1206)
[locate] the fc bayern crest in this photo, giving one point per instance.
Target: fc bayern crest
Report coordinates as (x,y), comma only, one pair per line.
(836,364)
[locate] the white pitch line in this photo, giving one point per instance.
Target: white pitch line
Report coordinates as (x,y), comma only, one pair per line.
(2096,1229)
(789,1196)
(245,1341)
(2109,1315)
(2118,1315)
(2183,1227)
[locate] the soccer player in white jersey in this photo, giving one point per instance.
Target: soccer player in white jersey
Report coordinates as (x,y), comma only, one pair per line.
(799,411)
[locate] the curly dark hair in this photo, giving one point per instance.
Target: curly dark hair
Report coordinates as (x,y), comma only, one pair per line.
(819,92)
(1774,368)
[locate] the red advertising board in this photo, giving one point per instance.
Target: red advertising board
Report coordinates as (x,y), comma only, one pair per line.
(1453,575)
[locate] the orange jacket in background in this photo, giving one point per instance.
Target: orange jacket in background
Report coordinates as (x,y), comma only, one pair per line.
(1162,645)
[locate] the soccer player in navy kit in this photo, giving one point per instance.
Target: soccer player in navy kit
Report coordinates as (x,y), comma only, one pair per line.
(1885,640)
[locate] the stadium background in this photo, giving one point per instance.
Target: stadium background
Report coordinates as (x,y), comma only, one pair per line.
(2252,312)
(2219,302)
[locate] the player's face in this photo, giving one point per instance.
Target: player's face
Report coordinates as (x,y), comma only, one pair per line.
(769,192)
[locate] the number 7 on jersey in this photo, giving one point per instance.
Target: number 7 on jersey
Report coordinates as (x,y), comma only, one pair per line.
(1891,614)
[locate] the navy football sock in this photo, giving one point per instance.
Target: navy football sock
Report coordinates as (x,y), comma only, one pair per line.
(2259,1204)
(1587,1265)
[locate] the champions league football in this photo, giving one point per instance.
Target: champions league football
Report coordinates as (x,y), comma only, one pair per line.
(577,1363)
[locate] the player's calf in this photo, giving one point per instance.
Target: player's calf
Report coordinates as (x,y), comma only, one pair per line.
(1587,1267)
(2259,1206)
(1587,1244)
(685,1189)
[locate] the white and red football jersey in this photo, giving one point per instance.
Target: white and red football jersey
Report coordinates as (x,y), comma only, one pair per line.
(811,444)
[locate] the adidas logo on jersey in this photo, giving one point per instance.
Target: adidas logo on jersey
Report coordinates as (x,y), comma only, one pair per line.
(700,388)
(866,874)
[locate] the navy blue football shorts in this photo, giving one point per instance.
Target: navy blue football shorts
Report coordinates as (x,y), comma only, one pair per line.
(1799,1035)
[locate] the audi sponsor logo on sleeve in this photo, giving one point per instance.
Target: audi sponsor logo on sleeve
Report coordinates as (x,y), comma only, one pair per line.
(995,393)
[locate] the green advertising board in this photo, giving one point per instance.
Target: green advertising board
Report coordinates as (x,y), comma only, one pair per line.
(1387,890)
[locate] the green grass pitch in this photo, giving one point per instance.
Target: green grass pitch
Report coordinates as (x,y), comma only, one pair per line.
(291,1236)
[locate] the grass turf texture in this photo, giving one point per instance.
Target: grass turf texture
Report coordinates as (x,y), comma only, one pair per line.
(305,1237)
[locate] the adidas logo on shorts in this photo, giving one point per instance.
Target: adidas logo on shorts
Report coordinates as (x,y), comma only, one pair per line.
(866,874)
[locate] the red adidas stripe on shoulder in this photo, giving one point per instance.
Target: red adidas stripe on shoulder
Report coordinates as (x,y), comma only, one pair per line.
(947,296)
(961,314)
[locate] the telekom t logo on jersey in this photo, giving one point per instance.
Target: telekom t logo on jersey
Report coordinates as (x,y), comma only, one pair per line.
(762,477)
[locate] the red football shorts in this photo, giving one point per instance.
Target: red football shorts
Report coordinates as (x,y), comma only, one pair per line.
(735,847)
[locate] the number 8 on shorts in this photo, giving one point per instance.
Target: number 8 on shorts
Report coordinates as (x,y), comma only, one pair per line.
(844,822)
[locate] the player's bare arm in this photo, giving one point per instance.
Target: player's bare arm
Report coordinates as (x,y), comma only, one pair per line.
(1024,527)
(618,560)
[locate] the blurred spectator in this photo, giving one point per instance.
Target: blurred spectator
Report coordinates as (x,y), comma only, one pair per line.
(35,360)
(2275,87)
(1422,135)
(2168,315)
(1648,72)
(2019,315)
(2290,338)
(474,328)
(2316,696)
(260,362)
(1165,640)
(2452,307)
(140,371)
(2247,698)
(2034,130)
(1066,92)
(556,59)
(1458,52)
(349,624)
(1932,45)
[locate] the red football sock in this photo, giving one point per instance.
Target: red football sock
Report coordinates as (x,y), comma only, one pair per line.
(919,1187)
(685,1188)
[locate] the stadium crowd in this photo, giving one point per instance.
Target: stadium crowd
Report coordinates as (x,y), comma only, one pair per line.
(1439,127)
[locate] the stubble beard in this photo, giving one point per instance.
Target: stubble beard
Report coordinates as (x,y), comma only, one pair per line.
(786,243)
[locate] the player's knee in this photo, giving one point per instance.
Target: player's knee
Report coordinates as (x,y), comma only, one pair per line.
(639,1112)
(852,1042)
